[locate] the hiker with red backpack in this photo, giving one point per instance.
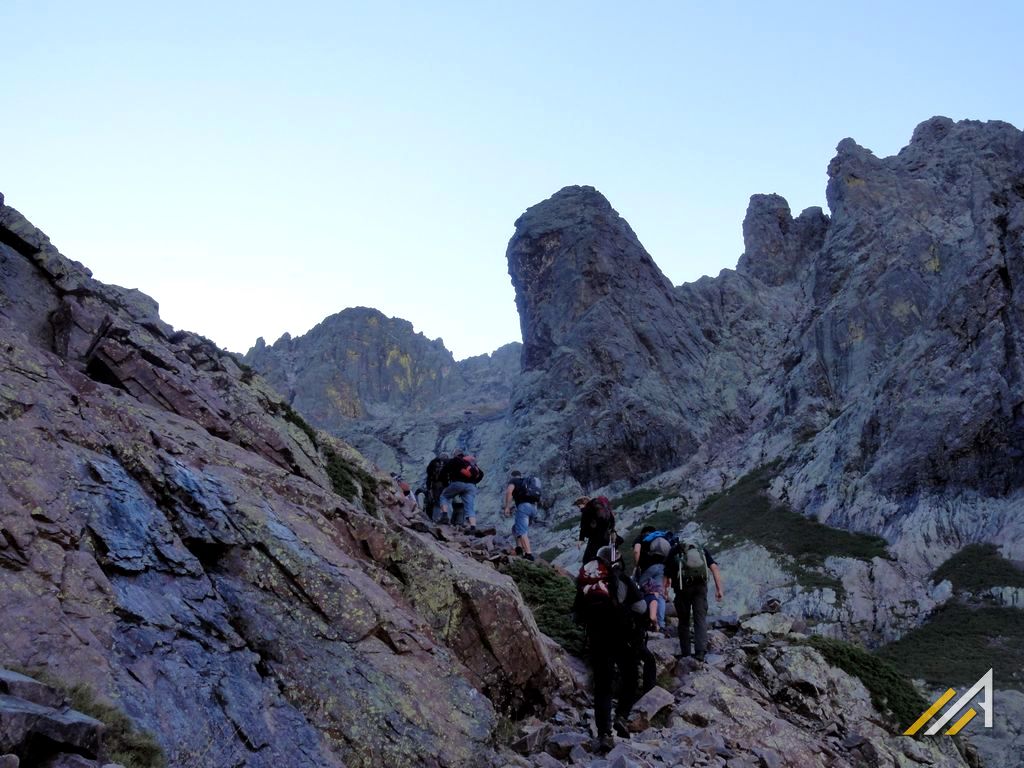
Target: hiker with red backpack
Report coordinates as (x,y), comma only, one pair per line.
(689,565)
(597,522)
(462,475)
(524,494)
(611,608)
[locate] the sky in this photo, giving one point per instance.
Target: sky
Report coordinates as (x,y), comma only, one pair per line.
(258,166)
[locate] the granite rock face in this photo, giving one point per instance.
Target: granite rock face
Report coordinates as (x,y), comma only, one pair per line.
(170,535)
(876,352)
(603,357)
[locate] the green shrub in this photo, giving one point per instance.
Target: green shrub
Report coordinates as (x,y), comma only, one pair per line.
(550,597)
(979,567)
(289,414)
(347,480)
(125,743)
(637,497)
(958,644)
(746,512)
(890,689)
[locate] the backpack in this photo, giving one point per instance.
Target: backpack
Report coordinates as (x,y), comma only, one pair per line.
(692,565)
(599,510)
(657,545)
(593,582)
(469,472)
(603,586)
(434,469)
(531,488)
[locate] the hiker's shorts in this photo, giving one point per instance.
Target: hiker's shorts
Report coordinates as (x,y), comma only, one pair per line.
(524,511)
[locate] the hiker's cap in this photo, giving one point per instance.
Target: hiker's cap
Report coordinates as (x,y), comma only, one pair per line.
(582,501)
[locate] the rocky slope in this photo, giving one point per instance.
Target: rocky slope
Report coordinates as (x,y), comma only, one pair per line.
(177,540)
(764,698)
(175,537)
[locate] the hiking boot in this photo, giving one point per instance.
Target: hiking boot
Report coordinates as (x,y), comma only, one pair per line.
(621,727)
(602,745)
(443,520)
(519,551)
(471,531)
(529,556)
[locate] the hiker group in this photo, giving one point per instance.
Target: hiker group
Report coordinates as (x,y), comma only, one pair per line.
(449,494)
(620,610)
(450,490)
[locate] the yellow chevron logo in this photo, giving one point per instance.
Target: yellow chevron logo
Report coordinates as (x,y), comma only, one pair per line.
(984,685)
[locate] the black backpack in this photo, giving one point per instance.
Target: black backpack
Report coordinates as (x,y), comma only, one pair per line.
(435,469)
(527,489)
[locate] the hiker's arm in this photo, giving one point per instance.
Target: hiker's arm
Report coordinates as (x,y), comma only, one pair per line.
(508,500)
(718,581)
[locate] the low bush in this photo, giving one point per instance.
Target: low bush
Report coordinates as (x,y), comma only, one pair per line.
(351,482)
(958,644)
(979,567)
(745,511)
(637,497)
(123,741)
(890,689)
(550,597)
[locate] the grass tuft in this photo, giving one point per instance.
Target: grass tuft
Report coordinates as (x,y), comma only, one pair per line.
(123,741)
(637,497)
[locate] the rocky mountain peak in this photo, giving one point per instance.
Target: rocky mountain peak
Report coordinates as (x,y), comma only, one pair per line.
(777,246)
(571,254)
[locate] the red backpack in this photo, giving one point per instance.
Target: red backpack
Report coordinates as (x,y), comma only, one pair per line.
(470,472)
(593,582)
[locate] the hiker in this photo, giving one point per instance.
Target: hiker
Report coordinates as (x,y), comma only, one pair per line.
(610,606)
(650,553)
(597,521)
(524,493)
(407,495)
(688,567)
(432,488)
(462,474)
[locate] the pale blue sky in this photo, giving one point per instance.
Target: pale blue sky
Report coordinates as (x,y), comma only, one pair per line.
(258,166)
